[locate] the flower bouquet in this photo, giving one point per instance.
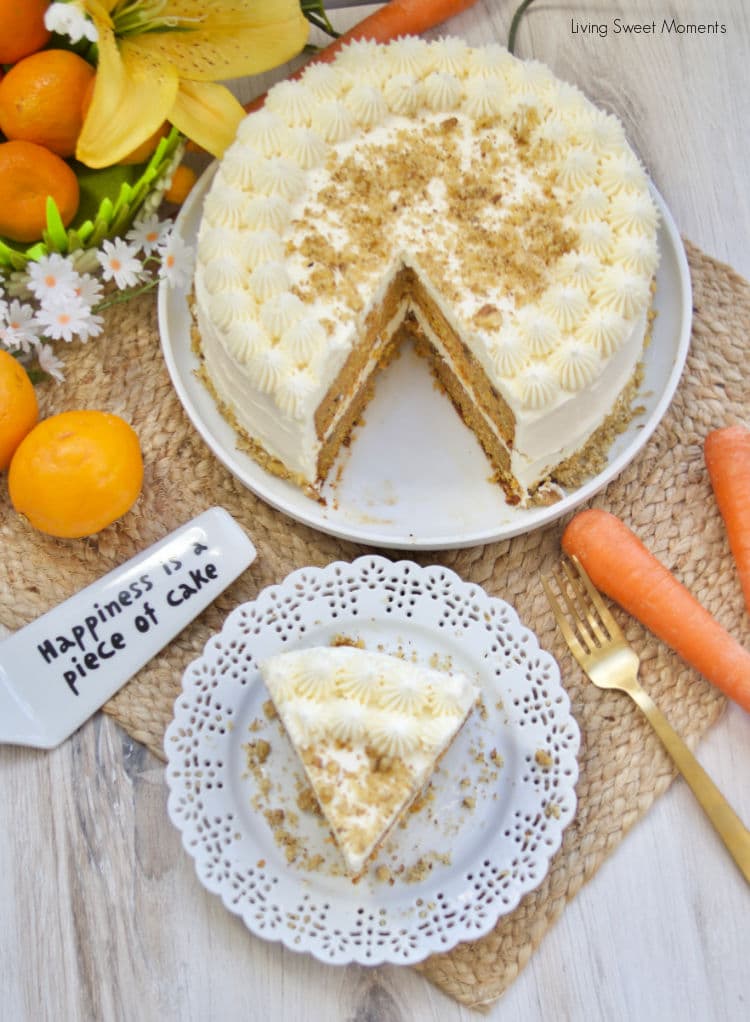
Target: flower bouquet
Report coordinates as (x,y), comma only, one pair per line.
(97,101)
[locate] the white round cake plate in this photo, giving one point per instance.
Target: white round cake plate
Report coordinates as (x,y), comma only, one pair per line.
(495,810)
(415,476)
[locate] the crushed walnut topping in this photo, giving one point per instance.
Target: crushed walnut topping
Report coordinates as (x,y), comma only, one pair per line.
(452,187)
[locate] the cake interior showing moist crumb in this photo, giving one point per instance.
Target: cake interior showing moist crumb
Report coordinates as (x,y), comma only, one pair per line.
(363,196)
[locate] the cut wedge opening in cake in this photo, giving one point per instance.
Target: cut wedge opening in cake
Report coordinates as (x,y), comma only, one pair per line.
(369,730)
(462,197)
(408,313)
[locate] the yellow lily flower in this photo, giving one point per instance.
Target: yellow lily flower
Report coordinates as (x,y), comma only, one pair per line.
(159,60)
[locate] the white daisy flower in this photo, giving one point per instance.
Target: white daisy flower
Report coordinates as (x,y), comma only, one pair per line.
(119,263)
(90,325)
(89,289)
(49,362)
(176,261)
(52,275)
(70,20)
(19,330)
(149,232)
(64,318)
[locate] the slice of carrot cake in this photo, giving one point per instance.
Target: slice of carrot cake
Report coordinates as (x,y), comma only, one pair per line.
(369,730)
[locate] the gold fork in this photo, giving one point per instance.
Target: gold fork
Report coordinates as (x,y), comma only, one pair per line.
(599,646)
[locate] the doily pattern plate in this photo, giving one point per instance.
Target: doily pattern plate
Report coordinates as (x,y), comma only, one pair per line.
(481,836)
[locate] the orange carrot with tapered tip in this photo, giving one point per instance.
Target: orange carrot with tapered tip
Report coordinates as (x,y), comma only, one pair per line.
(397,18)
(727,454)
(623,568)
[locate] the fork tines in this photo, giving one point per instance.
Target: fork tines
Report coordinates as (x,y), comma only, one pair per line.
(588,624)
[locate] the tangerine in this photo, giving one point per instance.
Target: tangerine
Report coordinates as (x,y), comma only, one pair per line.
(41,99)
(18,406)
(182,182)
(75,473)
(29,173)
(22,29)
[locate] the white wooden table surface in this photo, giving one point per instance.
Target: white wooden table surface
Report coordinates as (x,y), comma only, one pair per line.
(101,916)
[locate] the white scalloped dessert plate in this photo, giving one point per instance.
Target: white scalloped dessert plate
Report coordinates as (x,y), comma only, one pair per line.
(494,813)
(415,476)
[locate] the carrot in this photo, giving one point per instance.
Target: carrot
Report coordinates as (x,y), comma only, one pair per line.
(397,18)
(727,454)
(621,566)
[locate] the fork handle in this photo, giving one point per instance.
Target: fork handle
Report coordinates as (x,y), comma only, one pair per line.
(727,823)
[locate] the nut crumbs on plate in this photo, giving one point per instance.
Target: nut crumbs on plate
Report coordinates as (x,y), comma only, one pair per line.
(543,759)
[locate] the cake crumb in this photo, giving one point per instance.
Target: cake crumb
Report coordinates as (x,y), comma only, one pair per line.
(419,871)
(543,759)
(496,758)
(289,843)
(307,802)
(269,709)
(274,817)
(427,796)
(313,863)
(422,868)
(384,875)
(257,752)
(346,640)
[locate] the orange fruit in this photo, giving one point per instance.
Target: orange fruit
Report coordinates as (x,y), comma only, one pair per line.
(22,28)
(183,180)
(28,174)
(41,98)
(18,408)
(76,473)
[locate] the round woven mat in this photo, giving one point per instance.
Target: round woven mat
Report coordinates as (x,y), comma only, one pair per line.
(664,495)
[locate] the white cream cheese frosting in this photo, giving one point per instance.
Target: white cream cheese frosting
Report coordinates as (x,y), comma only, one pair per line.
(369,729)
(302,235)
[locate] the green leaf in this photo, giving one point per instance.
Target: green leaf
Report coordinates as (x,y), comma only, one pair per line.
(104,213)
(37,251)
(121,221)
(7,255)
(55,235)
(82,233)
(124,198)
(98,186)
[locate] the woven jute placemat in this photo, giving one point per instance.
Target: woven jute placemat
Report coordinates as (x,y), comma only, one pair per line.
(664,495)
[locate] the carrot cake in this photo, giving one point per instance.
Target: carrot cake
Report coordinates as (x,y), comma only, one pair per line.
(459,196)
(369,729)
